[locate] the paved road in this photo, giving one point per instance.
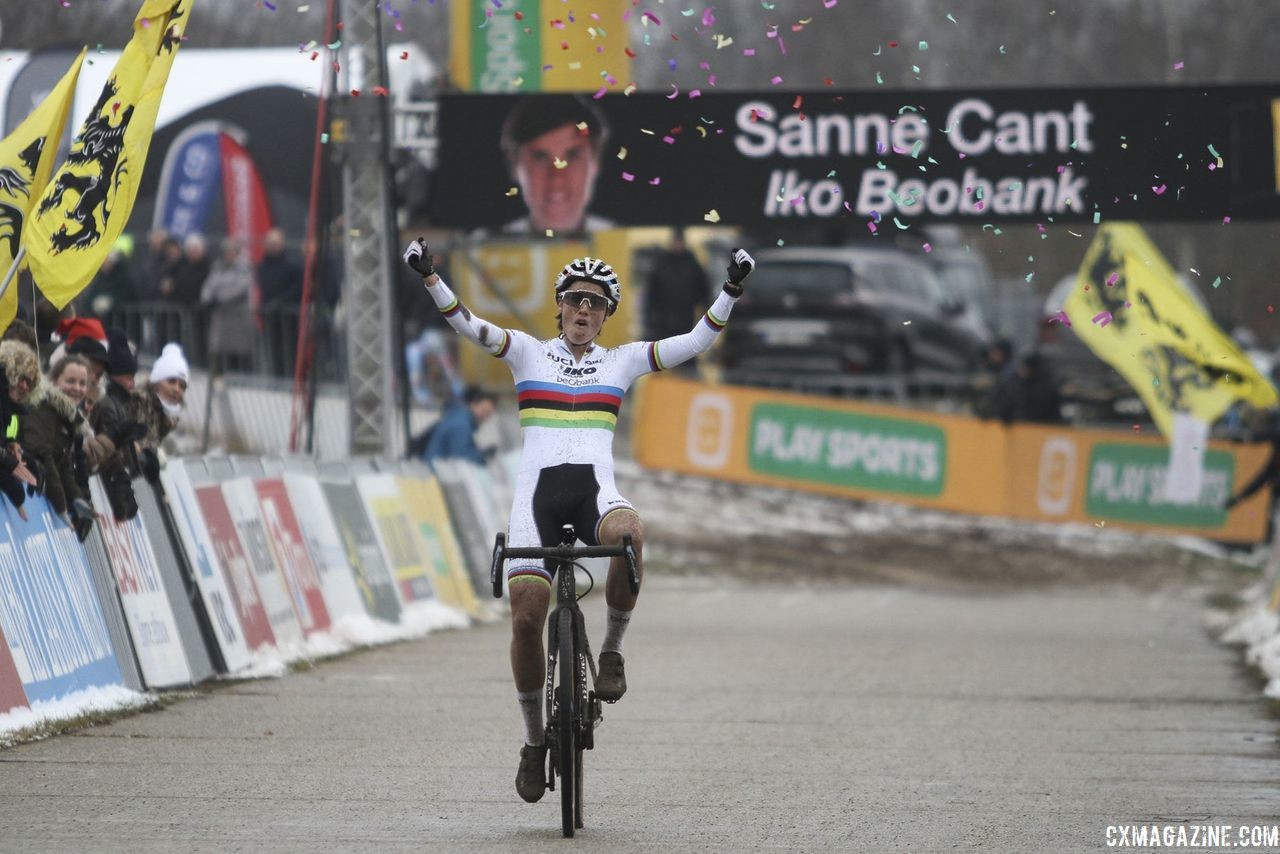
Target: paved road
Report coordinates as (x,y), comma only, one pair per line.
(761,717)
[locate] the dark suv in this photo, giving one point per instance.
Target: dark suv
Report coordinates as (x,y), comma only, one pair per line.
(818,312)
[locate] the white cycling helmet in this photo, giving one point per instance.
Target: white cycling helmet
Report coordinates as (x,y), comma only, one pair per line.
(596,272)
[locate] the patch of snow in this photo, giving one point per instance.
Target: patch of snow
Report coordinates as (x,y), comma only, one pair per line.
(43,712)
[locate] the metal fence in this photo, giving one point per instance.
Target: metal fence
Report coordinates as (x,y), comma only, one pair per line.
(152,324)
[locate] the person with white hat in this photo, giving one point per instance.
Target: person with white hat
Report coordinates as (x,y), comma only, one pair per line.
(166,392)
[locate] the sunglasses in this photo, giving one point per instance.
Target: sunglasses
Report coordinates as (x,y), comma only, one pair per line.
(593,300)
(29,381)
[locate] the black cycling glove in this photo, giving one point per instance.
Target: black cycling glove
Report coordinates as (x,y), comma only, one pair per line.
(417,256)
(740,266)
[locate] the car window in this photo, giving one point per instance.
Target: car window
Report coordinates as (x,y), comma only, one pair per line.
(807,278)
(906,280)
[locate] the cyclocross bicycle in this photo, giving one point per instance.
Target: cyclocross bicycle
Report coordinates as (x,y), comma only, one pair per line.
(573,710)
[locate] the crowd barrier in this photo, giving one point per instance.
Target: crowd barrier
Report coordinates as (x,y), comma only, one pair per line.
(950,462)
(234,567)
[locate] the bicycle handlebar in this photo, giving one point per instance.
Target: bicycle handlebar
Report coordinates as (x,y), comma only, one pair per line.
(562,552)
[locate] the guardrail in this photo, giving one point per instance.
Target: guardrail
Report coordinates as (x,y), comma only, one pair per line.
(237,566)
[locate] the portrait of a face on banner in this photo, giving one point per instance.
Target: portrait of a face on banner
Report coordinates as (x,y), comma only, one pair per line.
(529,164)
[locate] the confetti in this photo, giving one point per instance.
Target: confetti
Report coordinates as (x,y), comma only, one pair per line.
(627,176)
(514,191)
(712,216)
(622,153)
(1102,318)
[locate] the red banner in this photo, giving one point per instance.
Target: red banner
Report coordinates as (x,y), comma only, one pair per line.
(290,548)
(11,694)
(245,200)
(234,564)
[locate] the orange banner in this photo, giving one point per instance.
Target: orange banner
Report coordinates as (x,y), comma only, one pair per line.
(947,462)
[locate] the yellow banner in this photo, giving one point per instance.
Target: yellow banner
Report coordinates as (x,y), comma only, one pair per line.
(1052,474)
(512,284)
(1129,308)
(425,504)
(539,45)
(86,205)
(26,161)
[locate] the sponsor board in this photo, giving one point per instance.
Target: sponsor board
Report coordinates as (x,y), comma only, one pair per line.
(400,545)
(373,578)
(237,573)
(424,502)
(1126,482)
(853,449)
(152,627)
(820,444)
(56,639)
(327,552)
(950,462)
(203,557)
(284,536)
(286,611)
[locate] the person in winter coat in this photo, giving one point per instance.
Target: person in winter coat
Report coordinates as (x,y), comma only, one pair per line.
(19,374)
(161,404)
(227,290)
(114,417)
(53,423)
(453,436)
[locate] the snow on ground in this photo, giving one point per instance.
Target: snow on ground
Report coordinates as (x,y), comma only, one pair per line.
(690,507)
(113,698)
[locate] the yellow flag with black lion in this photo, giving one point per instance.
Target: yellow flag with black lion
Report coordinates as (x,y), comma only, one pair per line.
(86,205)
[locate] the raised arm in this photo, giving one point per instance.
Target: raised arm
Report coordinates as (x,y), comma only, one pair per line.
(669,352)
(494,339)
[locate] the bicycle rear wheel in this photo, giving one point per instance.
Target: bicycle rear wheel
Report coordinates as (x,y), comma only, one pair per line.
(566,726)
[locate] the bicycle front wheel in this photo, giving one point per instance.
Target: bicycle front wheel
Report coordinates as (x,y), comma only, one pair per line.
(567,728)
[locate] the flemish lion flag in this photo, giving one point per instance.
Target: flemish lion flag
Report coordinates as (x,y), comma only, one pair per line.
(26,161)
(86,205)
(1129,308)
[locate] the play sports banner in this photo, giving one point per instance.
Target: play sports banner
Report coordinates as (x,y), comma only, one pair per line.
(890,158)
(820,445)
(1103,477)
(949,462)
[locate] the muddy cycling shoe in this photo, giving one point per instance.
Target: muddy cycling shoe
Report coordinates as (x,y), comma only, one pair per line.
(611,684)
(531,779)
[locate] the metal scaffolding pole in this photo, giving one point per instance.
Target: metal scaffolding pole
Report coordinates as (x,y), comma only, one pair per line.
(366,183)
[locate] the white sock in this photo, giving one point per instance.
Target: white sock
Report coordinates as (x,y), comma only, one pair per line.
(615,629)
(531,709)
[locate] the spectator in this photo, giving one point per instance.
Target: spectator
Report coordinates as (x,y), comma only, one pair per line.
(95,354)
(232,332)
(113,285)
(190,273)
(21,331)
(161,404)
(280,283)
(1036,397)
(453,436)
(433,376)
(19,373)
(53,423)
(998,388)
(279,272)
(113,417)
(677,292)
(150,263)
(167,264)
